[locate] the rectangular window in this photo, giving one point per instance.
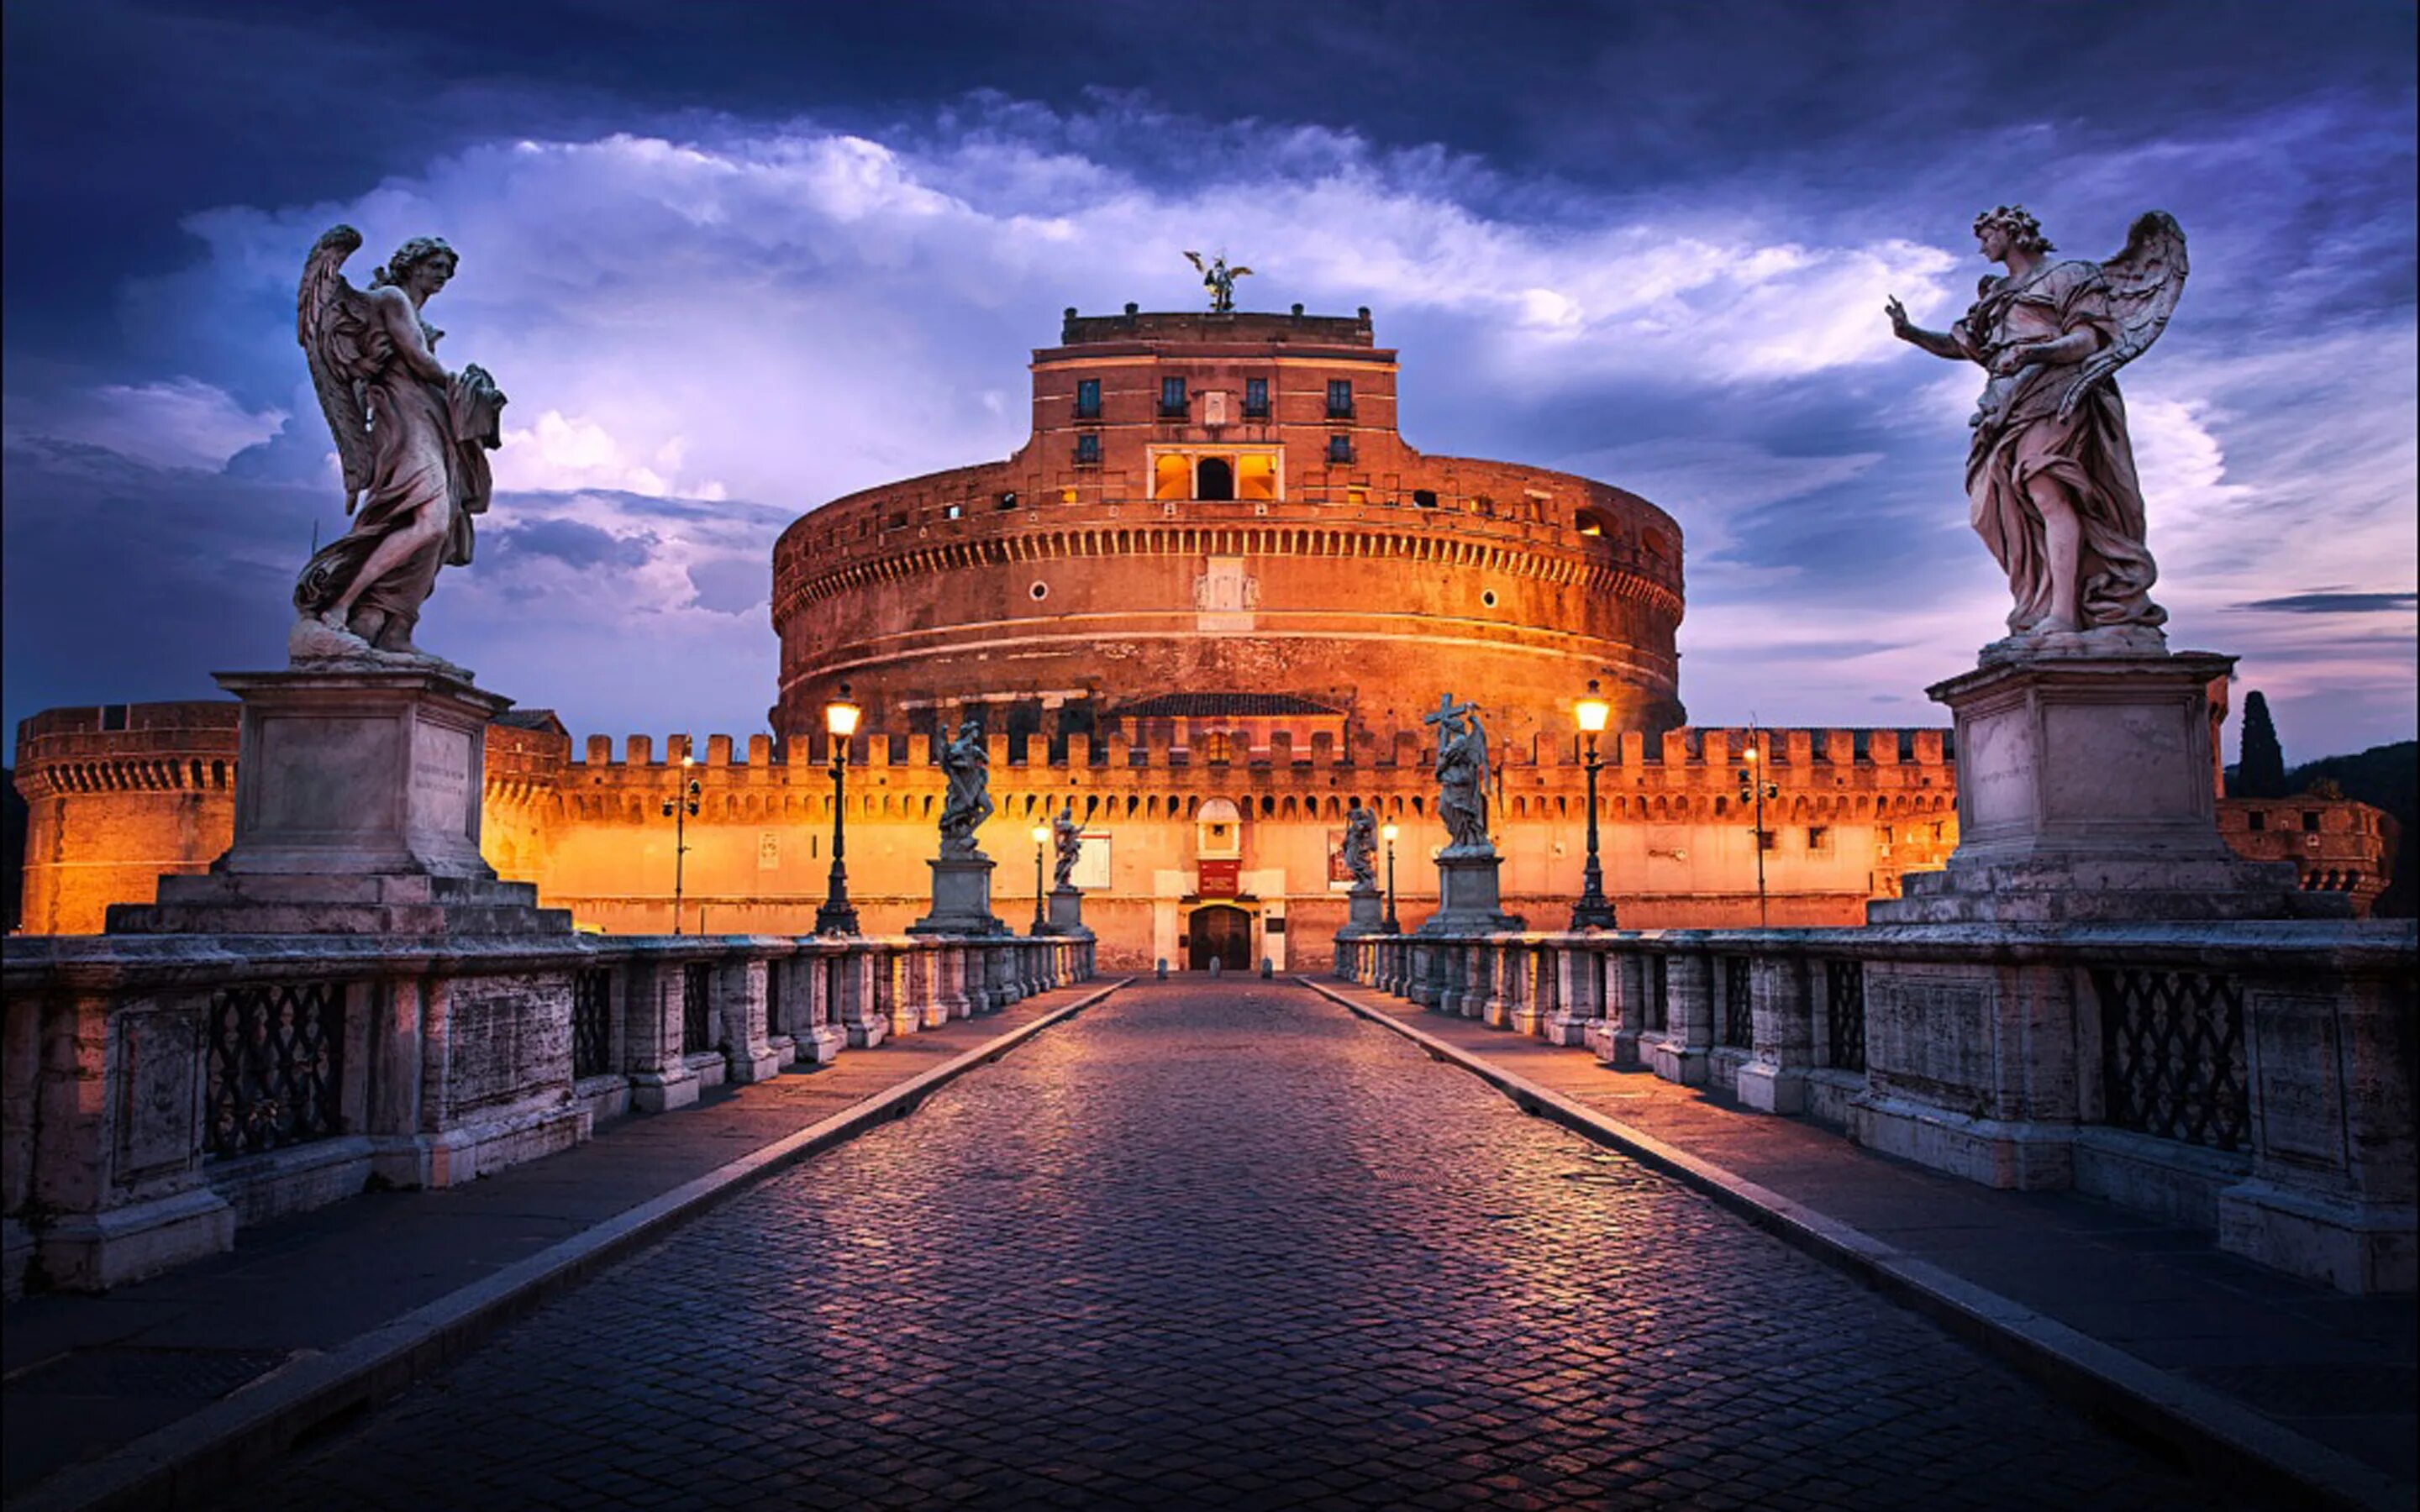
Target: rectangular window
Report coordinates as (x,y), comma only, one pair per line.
(1256,398)
(1088,398)
(1340,448)
(1088,450)
(1819,838)
(953,511)
(2259,818)
(1765,839)
(1171,398)
(2310,821)
(1339,398)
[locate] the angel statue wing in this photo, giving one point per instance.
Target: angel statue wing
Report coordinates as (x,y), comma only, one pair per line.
(340,336)
(1237,272)
(1194,258)
(2145,281)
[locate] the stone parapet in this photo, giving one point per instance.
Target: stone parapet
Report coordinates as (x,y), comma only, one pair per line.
(160,1091)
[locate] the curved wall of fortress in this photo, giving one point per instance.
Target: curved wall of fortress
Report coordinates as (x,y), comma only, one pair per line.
(1222,503)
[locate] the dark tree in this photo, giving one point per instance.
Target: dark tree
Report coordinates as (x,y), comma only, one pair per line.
(2261,774)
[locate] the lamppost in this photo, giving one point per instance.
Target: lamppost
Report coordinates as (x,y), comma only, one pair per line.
(1755,789)
(1390,832)
(1041,837)
(1593,911)
(838,916)
(679,808)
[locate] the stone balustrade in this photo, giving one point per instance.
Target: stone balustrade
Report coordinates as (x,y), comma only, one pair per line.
(2255,1079)
(162,1090)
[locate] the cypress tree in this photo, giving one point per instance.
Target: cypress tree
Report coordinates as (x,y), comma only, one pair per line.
(2261,773)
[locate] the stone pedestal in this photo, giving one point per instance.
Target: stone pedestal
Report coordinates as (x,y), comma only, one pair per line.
(357,806)
(1468,900)
(1067,915)
(961,897)
(1366,913)
(2086,795)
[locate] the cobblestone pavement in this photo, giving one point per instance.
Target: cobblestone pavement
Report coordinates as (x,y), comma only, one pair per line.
(1223,1246)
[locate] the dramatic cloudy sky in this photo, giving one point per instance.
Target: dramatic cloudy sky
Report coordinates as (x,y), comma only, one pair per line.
(731,261)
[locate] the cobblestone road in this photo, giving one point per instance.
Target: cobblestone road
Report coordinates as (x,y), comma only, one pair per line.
(1222,1246)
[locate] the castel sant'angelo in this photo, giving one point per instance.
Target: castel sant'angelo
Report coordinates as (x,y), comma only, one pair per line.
(1204,607)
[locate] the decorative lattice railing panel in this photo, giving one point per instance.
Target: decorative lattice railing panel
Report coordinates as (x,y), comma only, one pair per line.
(275,1065)
(1845,1025)
(2172,1058)
(1738,1024)
(697,1003)
(592,1022)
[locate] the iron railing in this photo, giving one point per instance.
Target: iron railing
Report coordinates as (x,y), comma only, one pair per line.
(275,1066)
(2172,1060)
(592,1022)
(1845,1021)
(697,1001)
(1738,1004)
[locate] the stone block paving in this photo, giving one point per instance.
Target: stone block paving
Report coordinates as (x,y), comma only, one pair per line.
(1223,1246)
(87,1376)
(2338,1370)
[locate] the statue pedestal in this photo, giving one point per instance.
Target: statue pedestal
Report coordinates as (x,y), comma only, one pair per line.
(357,808)
(1468,900)
(1367,913)
(2086,792)
(961,897)
(1067,915)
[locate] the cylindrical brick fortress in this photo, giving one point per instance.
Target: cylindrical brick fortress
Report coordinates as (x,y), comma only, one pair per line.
(1221,504)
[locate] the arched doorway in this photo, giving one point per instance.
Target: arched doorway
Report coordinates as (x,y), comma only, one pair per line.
(1213,479)
(1220,933)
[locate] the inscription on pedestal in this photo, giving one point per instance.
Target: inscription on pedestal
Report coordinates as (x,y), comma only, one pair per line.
(1996,772)
(441,778)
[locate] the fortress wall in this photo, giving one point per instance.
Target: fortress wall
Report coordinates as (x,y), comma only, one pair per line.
(1858,810)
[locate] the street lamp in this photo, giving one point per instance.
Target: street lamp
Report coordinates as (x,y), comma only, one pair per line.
(838,916)
(1593,911)
(1755,789)
(1041,837)
(678,809)
(1390,832)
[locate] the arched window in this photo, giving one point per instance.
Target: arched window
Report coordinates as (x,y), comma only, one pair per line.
(1213,479)
(1171,477)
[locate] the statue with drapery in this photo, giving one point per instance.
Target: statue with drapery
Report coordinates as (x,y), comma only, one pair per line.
(1067,839)
(966,767)
(411,440)
(2050,471)
(1461,774)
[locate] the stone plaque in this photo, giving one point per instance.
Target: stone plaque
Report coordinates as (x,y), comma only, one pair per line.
(1225,595)
(508,1037)
(2119,760)
(309,772)
(1932,1027)
(158,1122)
(2302,1111)
(442,788)
(768,851)
(1998,769)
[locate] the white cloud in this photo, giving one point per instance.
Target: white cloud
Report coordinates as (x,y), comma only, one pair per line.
(175,423)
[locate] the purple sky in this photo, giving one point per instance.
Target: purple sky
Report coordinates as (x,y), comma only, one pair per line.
(732,267)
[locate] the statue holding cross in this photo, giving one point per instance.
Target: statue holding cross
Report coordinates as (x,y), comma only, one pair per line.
(1461,773)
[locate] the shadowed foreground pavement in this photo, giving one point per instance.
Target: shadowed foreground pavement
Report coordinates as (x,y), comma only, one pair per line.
(1221,1244)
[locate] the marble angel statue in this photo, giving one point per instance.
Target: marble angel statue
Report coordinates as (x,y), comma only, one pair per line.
(2050,474)
(1461,773)
(1067,839)
(1361,847)
(966,768)
(413,439)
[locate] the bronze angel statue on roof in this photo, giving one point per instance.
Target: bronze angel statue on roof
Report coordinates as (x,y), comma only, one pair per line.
(1219,279)
(2050,474)
(413,439)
